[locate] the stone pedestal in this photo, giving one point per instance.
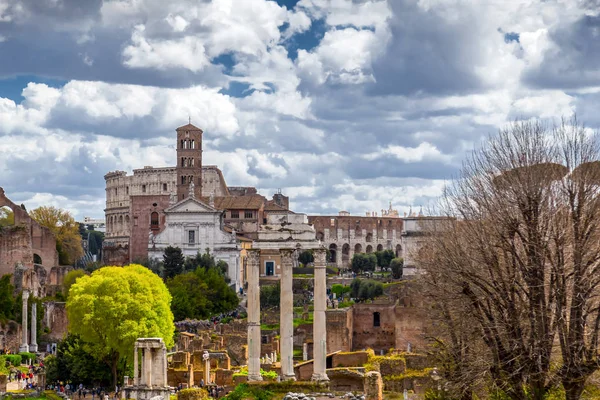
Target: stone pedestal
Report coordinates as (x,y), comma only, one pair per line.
(33,347)
(286,317)
(253,273)
(373,386)
(24,343)
(319,324)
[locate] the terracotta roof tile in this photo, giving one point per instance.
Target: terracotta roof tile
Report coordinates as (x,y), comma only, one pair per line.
(254,202)
(188,127)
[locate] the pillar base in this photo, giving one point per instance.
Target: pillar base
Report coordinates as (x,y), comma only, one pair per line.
(288,377)
(255,378)
(24,348)
(33,348)
(319,378)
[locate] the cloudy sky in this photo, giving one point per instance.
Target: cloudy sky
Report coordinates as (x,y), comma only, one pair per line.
(343,104)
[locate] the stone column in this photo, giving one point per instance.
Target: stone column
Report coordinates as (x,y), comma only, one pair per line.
(165,381)
(286,316)
(319,328)
(34,347)
(206,358)
(136,370)
(147,366)
(253,306)
(24,344)
(305,352)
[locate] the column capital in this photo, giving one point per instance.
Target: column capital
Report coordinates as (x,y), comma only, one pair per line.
(25,294)
(287,252)
(253,255)
(320,257)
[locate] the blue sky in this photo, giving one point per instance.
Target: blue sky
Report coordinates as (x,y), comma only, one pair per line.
(343,104)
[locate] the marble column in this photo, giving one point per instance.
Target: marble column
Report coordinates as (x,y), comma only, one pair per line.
(136,369)
(319,328)
(206,358)
(253,306)
(33,347)
(147,366)
(25,343)
(286,316)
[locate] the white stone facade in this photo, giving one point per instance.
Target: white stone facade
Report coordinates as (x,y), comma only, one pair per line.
(194,226)
(147,181)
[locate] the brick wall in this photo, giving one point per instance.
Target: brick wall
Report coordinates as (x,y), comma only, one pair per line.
(140,209)
(339,330)
(366,335)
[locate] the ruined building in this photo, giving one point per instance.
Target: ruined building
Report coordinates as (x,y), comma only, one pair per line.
(136,204)
(28,252)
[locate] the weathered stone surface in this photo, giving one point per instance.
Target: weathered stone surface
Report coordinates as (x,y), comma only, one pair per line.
(373,386)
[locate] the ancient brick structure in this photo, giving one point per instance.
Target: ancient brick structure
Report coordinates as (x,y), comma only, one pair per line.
(130,196)
(344,235)
(25,241)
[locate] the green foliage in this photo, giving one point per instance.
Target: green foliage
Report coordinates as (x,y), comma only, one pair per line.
(396,266)
(70,279)
(306,257)
(362,262)
(201,294)
(114,306)
(7,300)
(207,261)
(340,290)
(3,368)
(75,361)
(173,261)
(7,216)
(269,296)
(14,359)
(192,394)
(365,289)
(26,356)
(246,392)
(384,258)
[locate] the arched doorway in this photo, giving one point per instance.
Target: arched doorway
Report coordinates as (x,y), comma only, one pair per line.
(398,251)
(357,248)
(320,236)
(37,259)
(379,247)
(345,253)
(333,253)
(369,249)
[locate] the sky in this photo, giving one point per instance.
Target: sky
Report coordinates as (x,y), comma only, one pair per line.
(341,104)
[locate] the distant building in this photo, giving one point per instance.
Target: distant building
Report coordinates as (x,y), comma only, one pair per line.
(99,224)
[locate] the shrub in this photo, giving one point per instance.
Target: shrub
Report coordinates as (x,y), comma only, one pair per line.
(25,357)
(192,394)
(396,266)
(245,391)
(14,359)
(365,289)
(364,262)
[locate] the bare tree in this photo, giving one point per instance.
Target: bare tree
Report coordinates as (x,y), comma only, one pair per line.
(519,256)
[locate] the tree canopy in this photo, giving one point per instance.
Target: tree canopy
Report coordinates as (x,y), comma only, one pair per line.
(7,300)
(201,294)
(365,289)
(384,258)
(114,306)
(173,262)
(62,224)
(397,266)
(70,279)
(306,257)
(7,216)
(362,262)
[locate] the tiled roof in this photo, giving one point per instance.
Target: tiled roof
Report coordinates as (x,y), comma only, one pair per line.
(188,127)
(254,202)
(275,207)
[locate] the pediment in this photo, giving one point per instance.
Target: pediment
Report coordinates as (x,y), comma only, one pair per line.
(190,205)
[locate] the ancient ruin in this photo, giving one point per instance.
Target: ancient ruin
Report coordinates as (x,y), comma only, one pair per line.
(149,376)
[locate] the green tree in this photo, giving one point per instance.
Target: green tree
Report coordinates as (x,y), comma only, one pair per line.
(269,296)
(384,258)
(201,294)
(362,262)
(365,289)
(340,290)
(7,300)
(70,279)
(114,306)
(173,261)
(7,217)
(306,257)
(396,266)
(206,260)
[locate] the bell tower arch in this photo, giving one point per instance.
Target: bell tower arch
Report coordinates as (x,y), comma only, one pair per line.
(189,160)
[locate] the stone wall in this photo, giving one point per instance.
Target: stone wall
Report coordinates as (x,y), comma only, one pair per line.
(10,336)
(350,359)
(346,379)
(115,254)
(346,235)
(339,330)
(55,319)
(26,238)
(366,334)
(141,208)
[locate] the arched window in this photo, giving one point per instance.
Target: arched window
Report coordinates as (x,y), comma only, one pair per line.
(183,180)
(193,144)
(376,319)
(191,162)
(154,220)
(181,145)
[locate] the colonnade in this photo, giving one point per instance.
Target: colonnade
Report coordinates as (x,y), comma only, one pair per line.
(25,346)
(286,322)
(154,363)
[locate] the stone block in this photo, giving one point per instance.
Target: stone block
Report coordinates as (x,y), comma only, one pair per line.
(350,359)
(373,386)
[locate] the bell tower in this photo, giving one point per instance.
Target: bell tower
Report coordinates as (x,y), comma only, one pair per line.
(189,161)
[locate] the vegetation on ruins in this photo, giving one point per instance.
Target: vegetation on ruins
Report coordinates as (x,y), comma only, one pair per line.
(7,300)
(114,306)
(513,273)
(7,216)
(62,224)
(397,265)
(362,262)
(201,294)
(365,289)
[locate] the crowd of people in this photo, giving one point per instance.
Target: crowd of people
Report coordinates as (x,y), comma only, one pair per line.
(81,392)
